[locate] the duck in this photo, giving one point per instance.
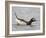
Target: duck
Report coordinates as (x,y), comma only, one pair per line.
(21,21)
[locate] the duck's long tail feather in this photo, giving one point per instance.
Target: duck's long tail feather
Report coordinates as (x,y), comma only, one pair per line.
(20,19)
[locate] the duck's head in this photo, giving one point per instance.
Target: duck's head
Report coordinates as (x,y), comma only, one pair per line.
(33,19)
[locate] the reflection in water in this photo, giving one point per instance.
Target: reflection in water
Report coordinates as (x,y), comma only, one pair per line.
(25,27)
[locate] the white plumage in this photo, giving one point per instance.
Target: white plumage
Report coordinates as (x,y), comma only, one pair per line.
(20,22)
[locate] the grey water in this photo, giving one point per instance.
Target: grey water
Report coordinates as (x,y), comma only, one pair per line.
(26,13)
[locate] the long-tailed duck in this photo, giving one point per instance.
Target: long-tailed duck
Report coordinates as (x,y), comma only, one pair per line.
(20,21)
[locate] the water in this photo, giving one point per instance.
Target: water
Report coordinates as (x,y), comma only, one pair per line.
(22,27)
